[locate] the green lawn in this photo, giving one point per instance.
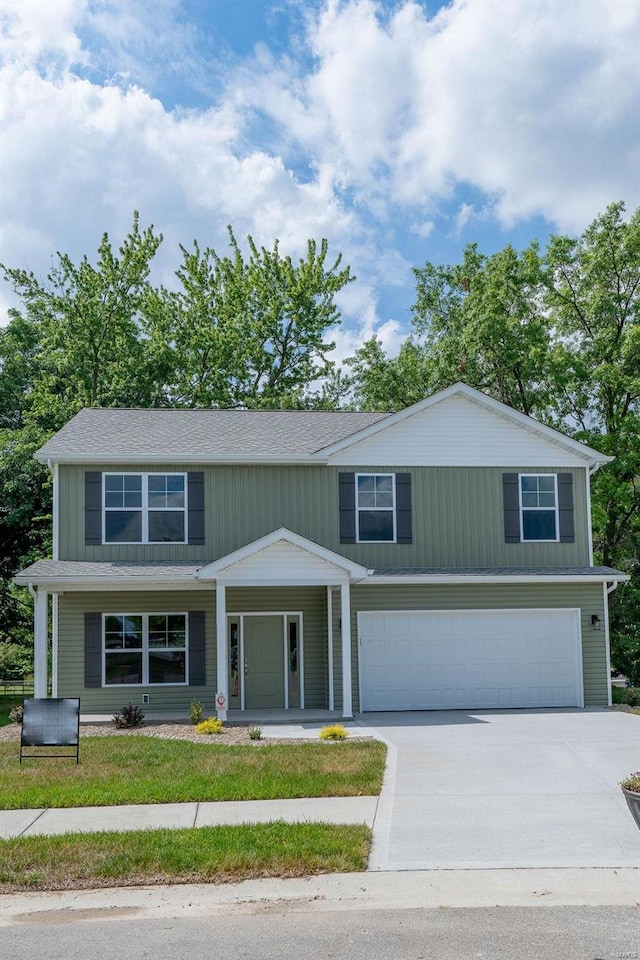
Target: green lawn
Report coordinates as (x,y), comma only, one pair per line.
(7,703)
(181,856)
(138,769)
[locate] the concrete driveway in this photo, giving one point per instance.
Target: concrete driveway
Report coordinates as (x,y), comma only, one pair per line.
(502,789)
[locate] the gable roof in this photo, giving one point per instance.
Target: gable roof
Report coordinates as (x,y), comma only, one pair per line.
(117,435)
(464,391)
(267,557)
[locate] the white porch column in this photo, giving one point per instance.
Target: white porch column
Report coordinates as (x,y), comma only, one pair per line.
(41,629)
(345,615)
(330,645)
(221,650)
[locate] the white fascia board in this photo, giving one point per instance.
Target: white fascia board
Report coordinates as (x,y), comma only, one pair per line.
(485,579)
(216,569)
(62,584)
(193,458)
(589,455)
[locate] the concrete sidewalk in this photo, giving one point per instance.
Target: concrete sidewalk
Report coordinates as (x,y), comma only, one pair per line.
(153,816)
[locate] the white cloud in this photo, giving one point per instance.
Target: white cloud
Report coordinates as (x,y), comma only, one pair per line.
(531,104)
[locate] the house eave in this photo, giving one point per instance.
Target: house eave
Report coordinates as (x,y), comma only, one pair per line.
(152,459)
(105,583)
(435,579)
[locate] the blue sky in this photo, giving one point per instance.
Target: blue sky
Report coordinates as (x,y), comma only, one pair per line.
(399,130)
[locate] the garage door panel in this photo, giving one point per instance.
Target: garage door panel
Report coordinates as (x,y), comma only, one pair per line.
(469,659)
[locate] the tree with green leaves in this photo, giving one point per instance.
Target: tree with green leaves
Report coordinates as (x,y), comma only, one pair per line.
(251,331)
(237,331)
(554,333)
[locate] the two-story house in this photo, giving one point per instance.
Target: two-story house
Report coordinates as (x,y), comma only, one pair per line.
(435,558)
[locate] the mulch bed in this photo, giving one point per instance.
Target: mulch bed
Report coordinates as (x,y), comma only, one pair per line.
(167,731)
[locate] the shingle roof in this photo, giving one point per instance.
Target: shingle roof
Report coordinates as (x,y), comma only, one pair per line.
(114,569)
(169,570)
(132,435)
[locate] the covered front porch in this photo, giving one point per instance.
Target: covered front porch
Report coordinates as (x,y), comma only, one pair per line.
(263,633)
(263,650)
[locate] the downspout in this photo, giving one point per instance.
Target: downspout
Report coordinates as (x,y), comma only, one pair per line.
(608,589)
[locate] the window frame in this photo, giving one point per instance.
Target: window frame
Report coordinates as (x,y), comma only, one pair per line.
(522,509)
(392,509)
(145,649)
(144,508)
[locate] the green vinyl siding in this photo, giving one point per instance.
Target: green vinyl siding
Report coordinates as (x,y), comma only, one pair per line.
(457,516)
(589,598)
(310,601)
(71,610)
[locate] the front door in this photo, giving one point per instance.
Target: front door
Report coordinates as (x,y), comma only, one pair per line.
(263,662)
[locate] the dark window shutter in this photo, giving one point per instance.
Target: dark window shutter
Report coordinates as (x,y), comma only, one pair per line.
(347,499)
(93,508)
(403,508)
(197,649)
(565,508)
(93,650)
(196,508)
(511,506)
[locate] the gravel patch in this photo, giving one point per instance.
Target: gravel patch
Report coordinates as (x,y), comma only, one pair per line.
(167,731)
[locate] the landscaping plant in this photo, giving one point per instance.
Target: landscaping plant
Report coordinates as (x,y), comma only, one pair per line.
(210,726)
(632,782)
(196,712)
(129,716)
(334,732)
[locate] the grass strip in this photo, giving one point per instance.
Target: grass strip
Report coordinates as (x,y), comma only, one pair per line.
(118,770)
(206,854)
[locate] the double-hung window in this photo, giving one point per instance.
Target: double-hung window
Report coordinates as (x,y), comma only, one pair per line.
(375,507)
(539,506)
(145,508)
(145,648)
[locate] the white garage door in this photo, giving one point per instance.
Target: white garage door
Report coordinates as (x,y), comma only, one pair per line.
(446,660)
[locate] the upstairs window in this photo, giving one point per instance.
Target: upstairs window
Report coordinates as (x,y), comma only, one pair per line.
(539,506)
(144,508)
(375,507)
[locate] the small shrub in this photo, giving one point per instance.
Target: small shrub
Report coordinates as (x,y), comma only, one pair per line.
(632,782)
(196,712)
(255,733)
(632,696)
(334,732)
(15,715)
(210,726)
(129,716)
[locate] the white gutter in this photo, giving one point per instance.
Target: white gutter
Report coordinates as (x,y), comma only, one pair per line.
(484,578)
(164,458)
